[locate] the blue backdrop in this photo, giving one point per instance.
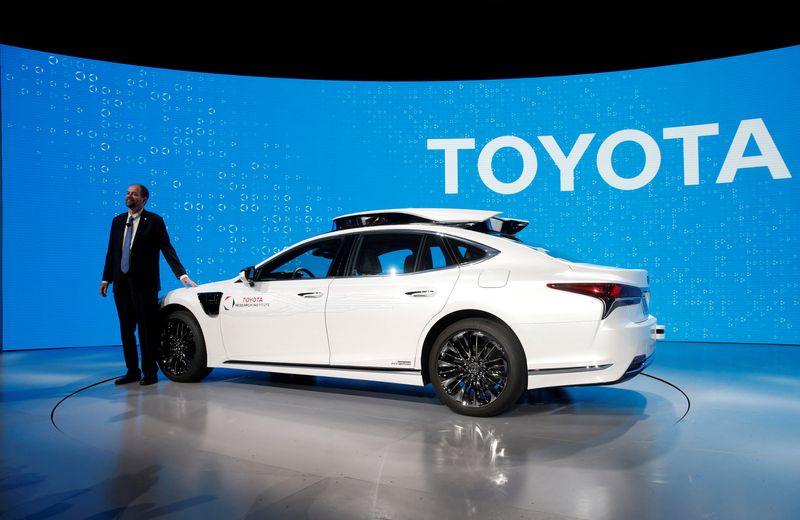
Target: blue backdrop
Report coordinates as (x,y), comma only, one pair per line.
(689,171)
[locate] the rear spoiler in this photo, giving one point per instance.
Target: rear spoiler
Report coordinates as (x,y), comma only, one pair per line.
(506,226)
(503,226)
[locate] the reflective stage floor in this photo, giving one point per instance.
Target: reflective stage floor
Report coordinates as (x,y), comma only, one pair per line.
(723,442)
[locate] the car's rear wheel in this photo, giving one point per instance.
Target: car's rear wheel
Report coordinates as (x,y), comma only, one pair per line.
(182,349)
(478,367)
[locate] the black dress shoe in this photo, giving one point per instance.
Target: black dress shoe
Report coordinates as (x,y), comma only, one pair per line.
(148,380)
(128,378)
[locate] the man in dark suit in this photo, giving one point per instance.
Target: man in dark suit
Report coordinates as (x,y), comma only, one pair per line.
(132,265)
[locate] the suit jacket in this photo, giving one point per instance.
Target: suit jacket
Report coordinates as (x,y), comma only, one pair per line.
(151,238)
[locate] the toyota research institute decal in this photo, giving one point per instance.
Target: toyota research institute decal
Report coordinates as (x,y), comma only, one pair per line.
(244,301)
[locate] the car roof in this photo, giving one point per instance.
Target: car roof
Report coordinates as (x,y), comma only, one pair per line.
(479,220)
(442,215)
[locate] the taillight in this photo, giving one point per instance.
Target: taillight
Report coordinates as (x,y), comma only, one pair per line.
(612,295)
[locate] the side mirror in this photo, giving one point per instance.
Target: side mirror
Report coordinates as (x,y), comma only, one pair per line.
(248,275)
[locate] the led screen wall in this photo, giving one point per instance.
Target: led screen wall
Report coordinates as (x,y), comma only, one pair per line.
(689,171)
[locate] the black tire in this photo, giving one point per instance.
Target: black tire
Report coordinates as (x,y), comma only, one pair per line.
(182,348)
(478,367)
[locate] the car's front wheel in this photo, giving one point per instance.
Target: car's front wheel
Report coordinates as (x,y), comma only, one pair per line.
(478,367)
(182,349)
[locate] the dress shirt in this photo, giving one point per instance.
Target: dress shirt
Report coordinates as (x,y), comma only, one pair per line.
(133,228)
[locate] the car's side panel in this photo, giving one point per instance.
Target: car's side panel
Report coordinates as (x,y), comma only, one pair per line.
(551,345)
(377,321)
(279,321)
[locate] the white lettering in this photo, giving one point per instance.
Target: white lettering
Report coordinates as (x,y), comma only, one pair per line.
(451,148)
(566,164)
(652,159)
(735,159)
(770,156)
(691,149)
(529,164)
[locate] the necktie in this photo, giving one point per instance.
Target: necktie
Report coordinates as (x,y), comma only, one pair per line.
(126,246)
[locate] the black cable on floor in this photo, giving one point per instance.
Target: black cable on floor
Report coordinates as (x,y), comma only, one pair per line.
(688,401)
(53,411)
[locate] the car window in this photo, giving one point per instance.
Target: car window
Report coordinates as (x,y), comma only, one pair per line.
(401,253)
(387,254)
(467,252)
(312,260)
(434,255)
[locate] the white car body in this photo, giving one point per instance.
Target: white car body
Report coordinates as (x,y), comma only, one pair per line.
(381,327)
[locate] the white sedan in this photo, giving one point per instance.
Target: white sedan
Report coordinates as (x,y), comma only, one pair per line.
(416,296)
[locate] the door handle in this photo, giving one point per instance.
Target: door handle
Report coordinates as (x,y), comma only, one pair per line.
(422,293)
(315,294)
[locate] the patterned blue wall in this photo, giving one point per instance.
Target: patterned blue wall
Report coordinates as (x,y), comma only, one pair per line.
(241,167)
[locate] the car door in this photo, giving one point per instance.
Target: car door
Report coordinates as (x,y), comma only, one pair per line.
(396,283)
(281,317)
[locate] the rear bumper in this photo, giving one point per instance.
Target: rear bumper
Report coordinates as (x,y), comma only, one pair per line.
(619,350)
(638,364)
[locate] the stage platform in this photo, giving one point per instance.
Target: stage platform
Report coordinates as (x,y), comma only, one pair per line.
(708,431)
